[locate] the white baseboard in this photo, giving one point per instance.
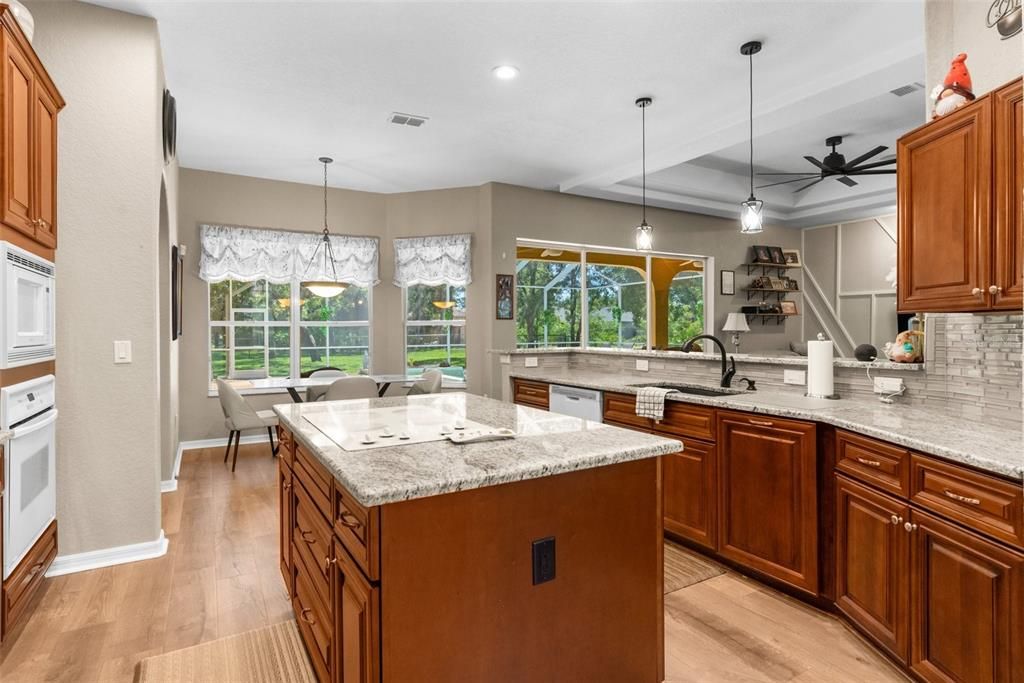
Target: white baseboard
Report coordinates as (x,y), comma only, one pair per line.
(108,557)
(168,485)
(172,484)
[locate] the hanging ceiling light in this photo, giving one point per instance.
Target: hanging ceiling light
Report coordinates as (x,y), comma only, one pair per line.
(325,288)
(751,211)
(444,305)
(644,232)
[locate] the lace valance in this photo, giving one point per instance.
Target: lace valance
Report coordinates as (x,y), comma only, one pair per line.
(434,260)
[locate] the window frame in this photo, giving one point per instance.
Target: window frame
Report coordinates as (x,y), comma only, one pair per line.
(447,323)
(583,249)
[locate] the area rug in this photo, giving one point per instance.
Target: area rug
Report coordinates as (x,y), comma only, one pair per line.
(684,567)
(272,654)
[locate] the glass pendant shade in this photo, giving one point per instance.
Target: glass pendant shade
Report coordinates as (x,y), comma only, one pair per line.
(325,288)
(644,237)
(751,217)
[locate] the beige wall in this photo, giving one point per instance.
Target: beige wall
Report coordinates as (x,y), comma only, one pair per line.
(106,64)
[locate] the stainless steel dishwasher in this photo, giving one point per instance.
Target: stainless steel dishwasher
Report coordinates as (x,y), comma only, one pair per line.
(584,403)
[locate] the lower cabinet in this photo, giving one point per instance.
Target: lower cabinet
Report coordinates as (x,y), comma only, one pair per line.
(689,480)
(768,497)
(284,508)
(356,621)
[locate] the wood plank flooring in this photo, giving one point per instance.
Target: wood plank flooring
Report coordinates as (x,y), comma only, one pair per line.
(221,577)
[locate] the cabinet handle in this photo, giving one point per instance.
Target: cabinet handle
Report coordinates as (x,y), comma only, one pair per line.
(896,519)
(993,289)
(869,463)
(344,518)
(35,569)
(303,534)
(287,485)
(760,423)
(910,527)
(977,291)
(328,561)
(962,499)
(308,620)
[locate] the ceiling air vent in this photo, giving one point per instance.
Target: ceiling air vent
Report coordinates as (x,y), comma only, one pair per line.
(400,119)
(907,89)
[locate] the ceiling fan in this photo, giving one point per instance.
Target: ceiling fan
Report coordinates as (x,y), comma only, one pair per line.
(835,165)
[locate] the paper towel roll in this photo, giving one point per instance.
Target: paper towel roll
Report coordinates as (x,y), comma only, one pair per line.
(820,378)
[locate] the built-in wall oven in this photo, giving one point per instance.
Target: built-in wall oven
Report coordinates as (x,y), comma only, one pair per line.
(28,298)
(30,499)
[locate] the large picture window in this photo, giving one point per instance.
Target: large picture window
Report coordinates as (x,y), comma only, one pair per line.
(435,329)
(578,296)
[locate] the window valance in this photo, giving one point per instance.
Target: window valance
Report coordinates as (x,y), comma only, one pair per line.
(434,260)
(237,253)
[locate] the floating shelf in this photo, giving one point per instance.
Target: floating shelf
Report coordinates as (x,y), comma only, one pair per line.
(765,267)
(769,290)
(779,317)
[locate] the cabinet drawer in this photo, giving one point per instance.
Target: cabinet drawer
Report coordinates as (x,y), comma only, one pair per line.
(986,504)
(312,536)
(286,445)
(620,410)
(315,478)
(26,578)
(314,620)
(684,419)
(359,530)
(874,462)
(527,392)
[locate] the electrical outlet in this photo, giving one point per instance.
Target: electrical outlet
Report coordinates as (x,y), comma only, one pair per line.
(544,560)
(643,365)
(530,361)
(794,377)
(888,385)
(505,359)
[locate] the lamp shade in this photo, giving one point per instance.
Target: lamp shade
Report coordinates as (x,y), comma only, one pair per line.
(736,322)
(751,217)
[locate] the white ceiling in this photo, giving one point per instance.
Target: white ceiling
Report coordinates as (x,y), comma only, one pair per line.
(265,88)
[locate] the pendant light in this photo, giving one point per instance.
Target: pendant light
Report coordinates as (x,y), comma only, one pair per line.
(325,288)
(751,211)
(644,232)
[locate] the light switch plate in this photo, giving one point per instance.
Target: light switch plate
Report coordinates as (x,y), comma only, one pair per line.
(505,359)
(643,365)
(888,385)
(531,361)
(122,351)
(794,377)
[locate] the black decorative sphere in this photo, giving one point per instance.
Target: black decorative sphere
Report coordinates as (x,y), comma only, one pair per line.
(865,352)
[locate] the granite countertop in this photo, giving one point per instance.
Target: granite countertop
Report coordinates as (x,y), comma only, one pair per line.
(700,356)
(995,449)
(546,444)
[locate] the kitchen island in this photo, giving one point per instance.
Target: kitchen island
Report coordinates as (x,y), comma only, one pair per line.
(532,558)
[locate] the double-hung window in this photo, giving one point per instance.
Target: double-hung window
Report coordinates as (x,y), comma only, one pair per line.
(435,328)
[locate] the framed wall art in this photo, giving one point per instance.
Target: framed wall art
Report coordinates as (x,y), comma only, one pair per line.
(505,297)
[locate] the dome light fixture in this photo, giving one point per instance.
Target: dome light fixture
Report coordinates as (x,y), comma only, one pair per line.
(505,72)
(644,231)
(752,210)
(325,288)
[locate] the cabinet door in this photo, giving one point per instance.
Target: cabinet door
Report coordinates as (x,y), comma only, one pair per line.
(1008,259)
(967,605)
(768,507)
(690,488)
(45,177)
(357,622)
(284,492)
(18,89)
(872,552)
(944,186)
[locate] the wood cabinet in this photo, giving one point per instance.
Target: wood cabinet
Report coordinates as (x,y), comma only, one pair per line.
(959,197)
(24,582)
(356,621)
(768,497)
(967,605)
(529,393)
(690,483)
(285,523)
(31,102)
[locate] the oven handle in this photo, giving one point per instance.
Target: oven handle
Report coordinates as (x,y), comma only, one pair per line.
(34,426)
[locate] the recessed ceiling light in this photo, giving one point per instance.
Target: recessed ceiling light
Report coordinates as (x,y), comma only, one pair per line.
(505,72)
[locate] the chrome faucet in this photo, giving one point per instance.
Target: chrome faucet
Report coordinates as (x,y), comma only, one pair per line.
(727,372)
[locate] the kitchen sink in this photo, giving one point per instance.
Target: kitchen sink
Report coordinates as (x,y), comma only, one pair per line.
(693,389)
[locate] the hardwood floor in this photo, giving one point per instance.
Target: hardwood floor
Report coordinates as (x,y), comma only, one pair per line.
(221,577)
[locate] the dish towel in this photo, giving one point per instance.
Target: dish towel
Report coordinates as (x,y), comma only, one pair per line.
(650,402)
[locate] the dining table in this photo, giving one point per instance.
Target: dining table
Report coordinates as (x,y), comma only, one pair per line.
(267,385)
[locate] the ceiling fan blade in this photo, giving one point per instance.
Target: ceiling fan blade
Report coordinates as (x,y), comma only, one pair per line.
(817,163)
(873,164)
(884,171)
(864,157)
(782,182)
(806,174)
(801,189)
(849,182)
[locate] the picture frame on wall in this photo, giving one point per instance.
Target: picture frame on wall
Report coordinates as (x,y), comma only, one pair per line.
(504,297)
(762,254)
(792,257)
(788,308)
(727,282)
(778,258)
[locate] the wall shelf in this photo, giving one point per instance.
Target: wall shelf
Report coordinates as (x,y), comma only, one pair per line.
(779,317)
(765,267)
(779,292)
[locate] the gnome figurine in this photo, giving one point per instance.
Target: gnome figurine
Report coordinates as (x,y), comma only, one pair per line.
(955,91)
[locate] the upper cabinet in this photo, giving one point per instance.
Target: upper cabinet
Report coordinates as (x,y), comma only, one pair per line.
(959,185)
(28,144)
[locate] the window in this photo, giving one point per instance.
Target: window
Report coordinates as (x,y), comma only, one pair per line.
(589,297)
(261,329)
(435,328)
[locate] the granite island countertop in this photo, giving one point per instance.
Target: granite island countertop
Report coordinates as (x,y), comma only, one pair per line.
(545,444)
(995,449)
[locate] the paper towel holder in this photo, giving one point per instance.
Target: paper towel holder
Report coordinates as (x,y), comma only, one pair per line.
(831,397)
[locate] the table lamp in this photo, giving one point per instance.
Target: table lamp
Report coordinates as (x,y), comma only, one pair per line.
(736,323)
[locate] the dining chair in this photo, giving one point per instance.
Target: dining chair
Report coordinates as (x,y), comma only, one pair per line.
(357,386)
(239,416)
(429,383)
(317,393)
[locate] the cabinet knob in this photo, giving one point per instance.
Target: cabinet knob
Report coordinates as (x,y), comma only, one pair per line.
(303,615)
(993,289)
(977,291)
(328,561)
(896,519)
(910,527)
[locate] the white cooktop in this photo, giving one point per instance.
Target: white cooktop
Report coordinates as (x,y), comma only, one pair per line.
(364,428)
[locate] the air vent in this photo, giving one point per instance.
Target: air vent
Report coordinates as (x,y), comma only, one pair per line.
(907,89)
(400,119)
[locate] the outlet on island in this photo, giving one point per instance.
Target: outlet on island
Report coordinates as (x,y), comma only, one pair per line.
(544,560)
(798,377)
